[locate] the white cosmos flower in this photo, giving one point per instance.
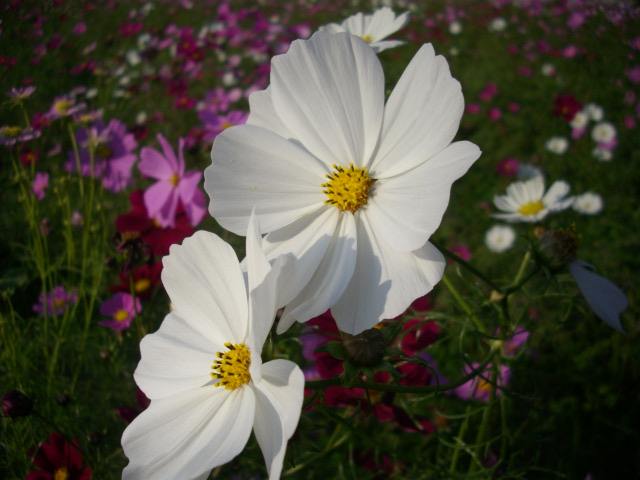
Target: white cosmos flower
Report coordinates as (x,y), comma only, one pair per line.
(500,238)
(557,145)
(595,112)
(202,369)
(589,203)
(602,154)
(580,119)
(353,188)
(498,24)
(603,132)
(527,202)
(372,28)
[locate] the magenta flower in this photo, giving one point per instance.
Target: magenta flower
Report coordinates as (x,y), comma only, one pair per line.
(121,309)
(219,100)
(56,301)
(515,343)
(113,154)
(10,135)
(216,124)
(480,388)
(508,167)
(64,106)
(21,93)
(40,184)
(174,185)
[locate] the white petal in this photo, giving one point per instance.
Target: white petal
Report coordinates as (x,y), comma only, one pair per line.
(184,436)
(174,359)
(278,405)
(606,300)
(253,167)
(505,203)
(384,22)
(421,117)
(204,281)
(330,278)
(264,115)
(384,282)
(406,209)
(553,197)
(306,240)
(329,91)
(383,45)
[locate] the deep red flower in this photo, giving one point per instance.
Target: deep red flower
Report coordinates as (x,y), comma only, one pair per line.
(59,459)
(145,280)
(159,239)
(566,107)
(418,335)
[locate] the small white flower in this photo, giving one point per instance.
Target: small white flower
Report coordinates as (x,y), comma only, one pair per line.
(602,154)
(558,145)
(454,51)
(133,57)
(500,238)
(527,171)
(589,203)
(455,28)
(603,132)
(372,28)
(92,93)
(594,111)
(527,202)
(548,70)
(203,370)
(119,93)
(228,79)
(604,298)
(580,120)
(124,80)
(498,24)
(141,117)
(143,40)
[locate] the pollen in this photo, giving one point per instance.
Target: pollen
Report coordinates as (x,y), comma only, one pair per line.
(175,179)
(367,38)
(232,367)
(121,315)
(348,188)
(531,208)
(61,473)
(61,106)
(142,285)
(10,131)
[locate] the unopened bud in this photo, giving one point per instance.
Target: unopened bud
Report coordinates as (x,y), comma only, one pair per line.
(16,404)
(557,248)
(366,348)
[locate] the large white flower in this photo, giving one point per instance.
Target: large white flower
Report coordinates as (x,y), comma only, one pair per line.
(202,369)
(372,28)
(527,202)
(353,188)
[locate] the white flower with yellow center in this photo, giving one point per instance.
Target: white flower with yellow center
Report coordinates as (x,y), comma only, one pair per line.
(202,369)
(500,238)
(589,203)
(527,201)
(353,188)
(372,28)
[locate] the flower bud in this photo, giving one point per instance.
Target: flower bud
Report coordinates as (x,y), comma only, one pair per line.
(556,249)
(16,404)
(366,348)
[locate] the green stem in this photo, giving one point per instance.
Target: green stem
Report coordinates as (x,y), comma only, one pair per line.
(460,439)
(77,157)
(465,265)
(486,417)
(452,289)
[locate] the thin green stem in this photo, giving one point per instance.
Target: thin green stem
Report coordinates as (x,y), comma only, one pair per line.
(465,306)
(77,158)
(486,417)
(460,439)
(467,266)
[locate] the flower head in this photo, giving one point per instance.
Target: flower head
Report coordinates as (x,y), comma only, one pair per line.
(372,28)
(202,369)
(55,302)
(589,203)
(352,187)
(121,310)
(499,238)
(58,459)
(527,201)
(174,185)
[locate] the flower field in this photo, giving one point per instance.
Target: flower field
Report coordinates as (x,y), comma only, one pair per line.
(319,239)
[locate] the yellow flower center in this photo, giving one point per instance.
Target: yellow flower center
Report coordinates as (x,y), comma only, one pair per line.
(61,474)
(58,303)
(531,208)
(121,315)
(175,179)
(226,125)
(62,106)
(11,131)
(232,367)
(142,285)
(348,189)
(367,38)
(104,151)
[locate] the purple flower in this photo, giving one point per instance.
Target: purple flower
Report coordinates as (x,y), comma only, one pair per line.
(113,154)
(64,106)
(219,100)
(480,388)
(21,93)
(56,301)
(9,135)
(515,343)
(216,124)
(174,185)
(40,184)
(121,310)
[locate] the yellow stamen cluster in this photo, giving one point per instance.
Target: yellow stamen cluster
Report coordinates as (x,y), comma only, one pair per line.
(531,208)
(61,473)
(142,285)
(367,38)
(121,315)
(104,151)
(348,188)
(175,179)
(10,131)
(232,367)
(62,106)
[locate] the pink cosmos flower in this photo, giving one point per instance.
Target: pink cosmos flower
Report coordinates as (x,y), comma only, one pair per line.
(121,309)
(21,93)
(516,342)
(216,124)
(480,388)
(113,154)
(56,301)
(219,100)
(40,184)
(634,74)
(508,167)
(173,185)
(79,28)
(10,135)
(64,106)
